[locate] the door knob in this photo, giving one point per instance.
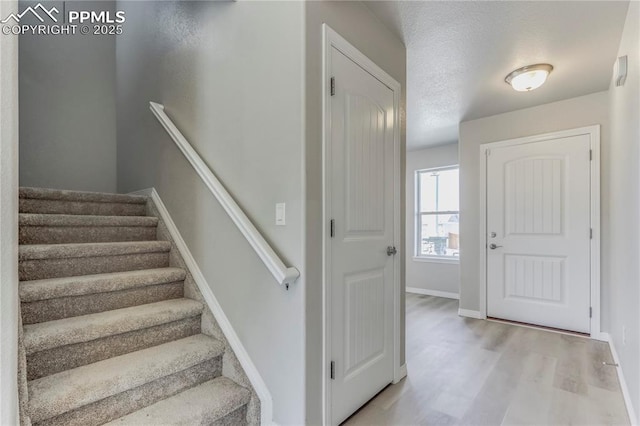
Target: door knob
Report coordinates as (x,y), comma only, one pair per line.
(391,250)
(493,246)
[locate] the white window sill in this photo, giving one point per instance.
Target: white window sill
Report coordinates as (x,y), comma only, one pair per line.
(437,259)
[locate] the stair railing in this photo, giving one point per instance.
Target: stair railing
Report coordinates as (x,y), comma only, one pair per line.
(283,274)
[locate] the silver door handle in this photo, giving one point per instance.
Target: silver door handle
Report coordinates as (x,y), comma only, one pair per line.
(493,246)
(391,250)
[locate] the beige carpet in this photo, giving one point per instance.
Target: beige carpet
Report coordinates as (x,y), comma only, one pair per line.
(108,333)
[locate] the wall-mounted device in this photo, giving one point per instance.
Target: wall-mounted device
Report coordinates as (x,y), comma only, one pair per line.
(281,214)
(620,71)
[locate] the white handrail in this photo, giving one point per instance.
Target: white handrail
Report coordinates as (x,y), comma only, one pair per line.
(282,274)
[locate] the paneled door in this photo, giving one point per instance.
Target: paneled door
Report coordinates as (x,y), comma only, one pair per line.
(362,256)
(539,227)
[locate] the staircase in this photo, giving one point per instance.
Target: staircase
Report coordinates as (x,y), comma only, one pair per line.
(108,334)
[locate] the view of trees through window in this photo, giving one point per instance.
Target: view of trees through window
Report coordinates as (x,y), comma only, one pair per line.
(438,212)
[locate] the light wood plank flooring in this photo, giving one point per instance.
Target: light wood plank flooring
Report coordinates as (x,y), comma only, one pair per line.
(470,372)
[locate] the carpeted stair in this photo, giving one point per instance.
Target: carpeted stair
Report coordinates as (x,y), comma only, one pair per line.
(107,332)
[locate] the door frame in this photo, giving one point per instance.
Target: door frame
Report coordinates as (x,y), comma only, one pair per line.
(331,39)
(594,138)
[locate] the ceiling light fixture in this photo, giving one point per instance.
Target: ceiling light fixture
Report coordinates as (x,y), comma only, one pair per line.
(529,78)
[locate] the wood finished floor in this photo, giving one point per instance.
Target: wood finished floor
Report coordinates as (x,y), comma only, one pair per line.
(463,371)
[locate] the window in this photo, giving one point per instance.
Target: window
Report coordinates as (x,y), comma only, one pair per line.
(437,213)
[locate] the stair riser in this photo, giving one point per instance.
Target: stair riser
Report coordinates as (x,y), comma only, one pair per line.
(33,205)
(37,269)
(85,234)
(73,306)
(235,418)
(47,362)
(127,402)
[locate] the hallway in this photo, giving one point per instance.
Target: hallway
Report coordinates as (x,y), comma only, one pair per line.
(465,371)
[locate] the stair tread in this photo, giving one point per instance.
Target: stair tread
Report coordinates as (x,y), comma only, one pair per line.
(202,404)
(51,288)
(84,328)
(74,250)
(78,220)
(65,391)
(81,196)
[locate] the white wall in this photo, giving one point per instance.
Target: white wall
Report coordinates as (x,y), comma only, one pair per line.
(361,28)
(624,189)
(8,222)
(568,114)
(231,76)
(68,108)
(427,275)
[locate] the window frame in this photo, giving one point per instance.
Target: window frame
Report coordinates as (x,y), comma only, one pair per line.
(418,215)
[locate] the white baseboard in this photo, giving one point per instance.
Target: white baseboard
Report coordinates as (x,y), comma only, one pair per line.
(470,313)
(147,192)
(623,383)
(266,402)
(436,293)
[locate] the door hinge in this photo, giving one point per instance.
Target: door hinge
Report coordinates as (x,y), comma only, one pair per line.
(333,86)
(332,230)
(591,233)
(333,370)
(487,152)
(590,312)
(590,155)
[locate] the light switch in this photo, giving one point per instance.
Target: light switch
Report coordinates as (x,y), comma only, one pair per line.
(280,214)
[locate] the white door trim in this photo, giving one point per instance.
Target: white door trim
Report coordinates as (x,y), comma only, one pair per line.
(10,345)
(333,39)
(594,133)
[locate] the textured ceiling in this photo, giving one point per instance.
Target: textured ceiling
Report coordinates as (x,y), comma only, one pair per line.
(458,54)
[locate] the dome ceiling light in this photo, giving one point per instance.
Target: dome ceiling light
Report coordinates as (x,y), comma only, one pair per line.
(529,78)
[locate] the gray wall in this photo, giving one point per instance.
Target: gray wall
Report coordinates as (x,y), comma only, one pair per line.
(67,109)
(9,305)
(230,75)
(624,189)
(356,23)
(423,274)
(568,114)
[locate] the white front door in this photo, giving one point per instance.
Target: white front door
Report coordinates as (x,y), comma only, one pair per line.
(538,233)
(360,165)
